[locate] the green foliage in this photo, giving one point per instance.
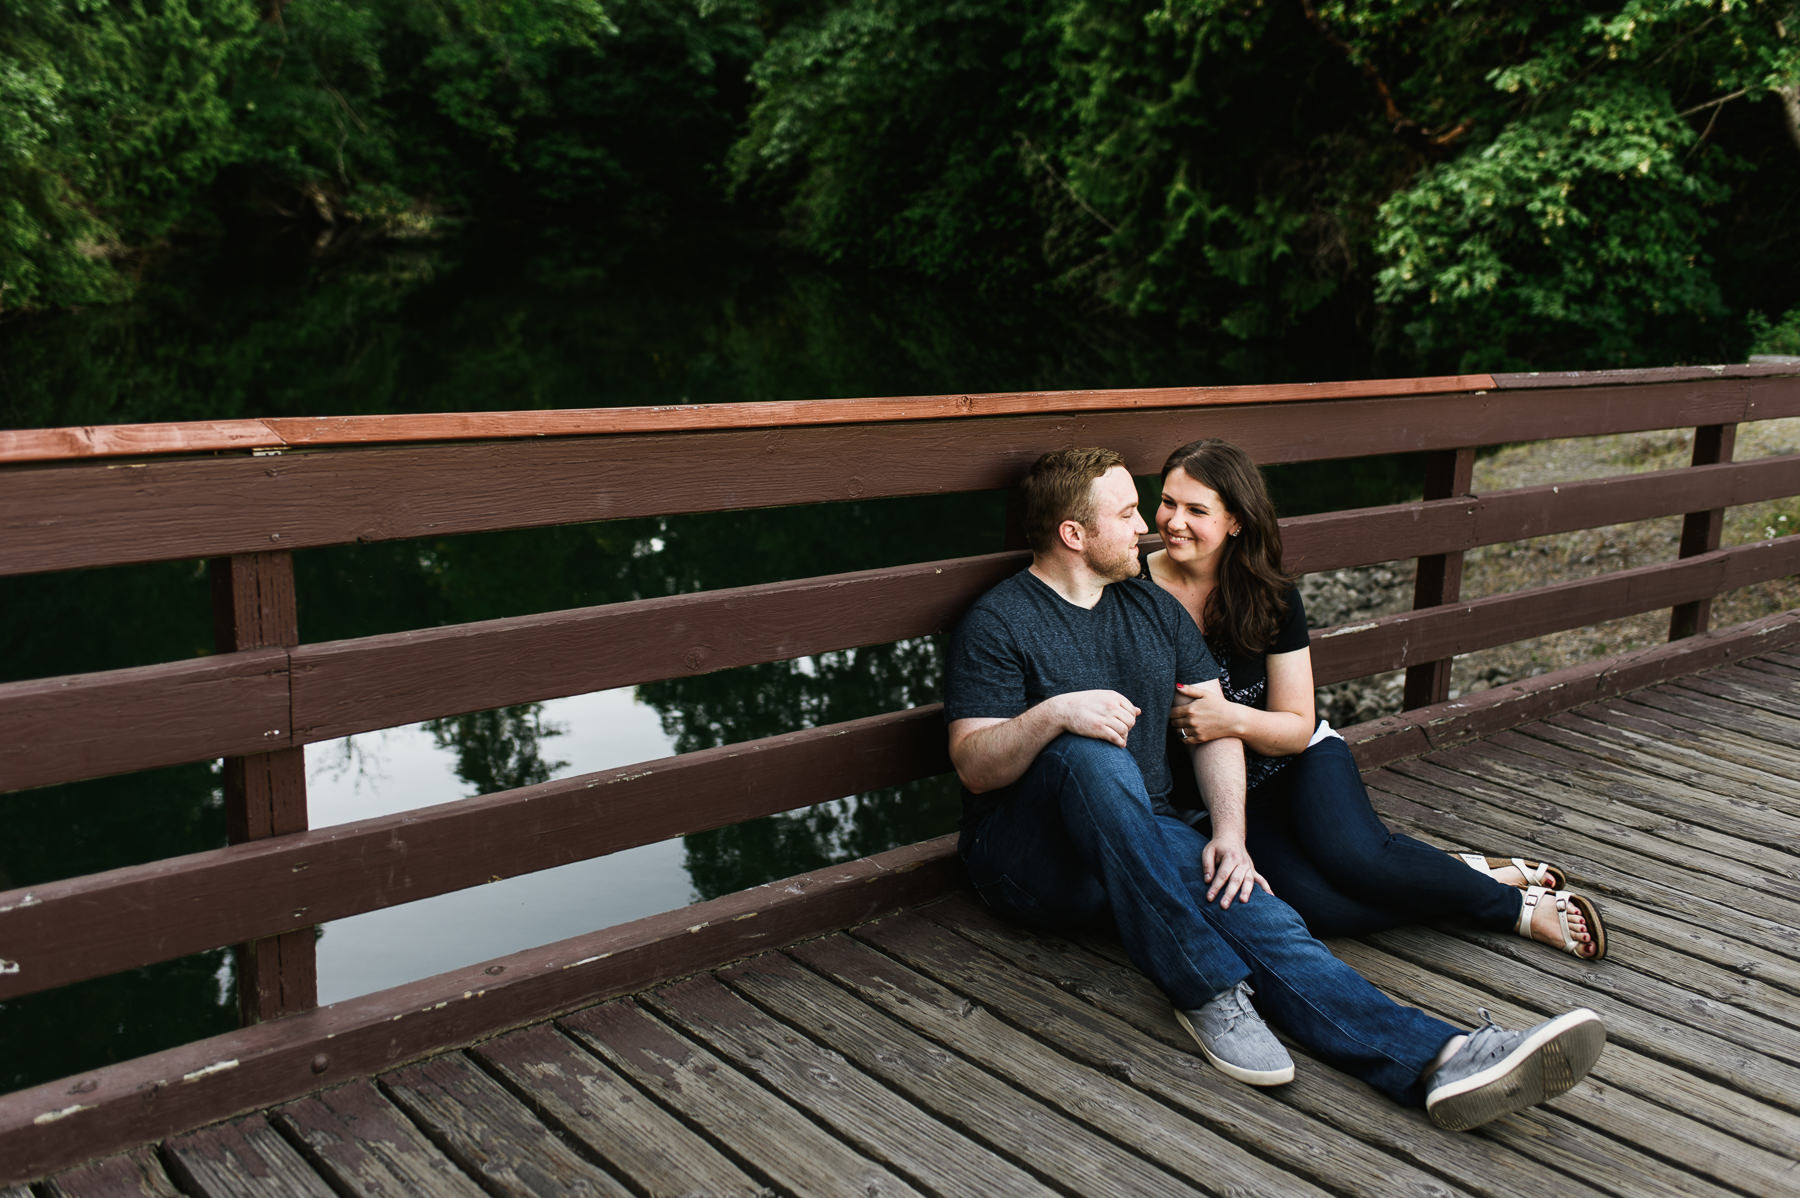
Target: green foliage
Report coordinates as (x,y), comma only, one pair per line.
(1575,228)
(129,121)
(114,124)
(1780,336)
(895,128)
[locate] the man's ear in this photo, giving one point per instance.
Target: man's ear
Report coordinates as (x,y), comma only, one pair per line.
(1071,533)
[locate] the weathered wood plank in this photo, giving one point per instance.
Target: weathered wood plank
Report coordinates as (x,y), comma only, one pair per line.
(342,687)
(1704,874)
(1734,858)
(914,1122)
(98,924)
(134,1174)
(1734,814)
(1737,1106)
(1346,1128)
(1441,817)
(1552,1134)
(1109,1106)
(1362,536)
(1390,642)
(1650,750)
(35,445)
(1752,695)
(49,1126)
(490,1134)
(1634,1155)
(55,518)
(89,725)
(585,1100)
(1683,778)
(769,1135)
(1677,739)
(245,1158)
(364,1145)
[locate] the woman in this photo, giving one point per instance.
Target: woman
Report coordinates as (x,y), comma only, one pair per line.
(1312,831)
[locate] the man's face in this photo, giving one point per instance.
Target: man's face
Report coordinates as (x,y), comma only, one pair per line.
(1109,542)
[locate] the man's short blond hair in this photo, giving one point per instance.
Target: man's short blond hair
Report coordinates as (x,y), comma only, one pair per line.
(1060,486)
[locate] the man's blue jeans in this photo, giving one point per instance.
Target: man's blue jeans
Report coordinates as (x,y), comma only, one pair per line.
(1077,840)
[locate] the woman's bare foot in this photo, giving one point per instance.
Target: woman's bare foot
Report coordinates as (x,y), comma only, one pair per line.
(1547,929)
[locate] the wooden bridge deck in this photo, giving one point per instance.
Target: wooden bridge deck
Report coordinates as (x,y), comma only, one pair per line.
(941,1052)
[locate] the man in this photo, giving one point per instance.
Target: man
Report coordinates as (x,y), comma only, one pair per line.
(1066,821)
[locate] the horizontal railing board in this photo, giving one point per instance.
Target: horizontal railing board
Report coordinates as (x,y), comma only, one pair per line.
(1432,634)
(90,725)
(1650,374)
(1362,536)
(62,731)
(206,436)
(88,927)
(128,440)
(343,687)
(67,517)
(1392,738)
(60,1123)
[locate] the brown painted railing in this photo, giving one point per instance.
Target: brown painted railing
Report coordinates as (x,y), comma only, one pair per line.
(245,495)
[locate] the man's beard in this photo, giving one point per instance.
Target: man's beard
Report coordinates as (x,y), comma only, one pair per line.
(1117,568)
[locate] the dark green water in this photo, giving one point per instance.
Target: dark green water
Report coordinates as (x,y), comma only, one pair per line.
(451,328)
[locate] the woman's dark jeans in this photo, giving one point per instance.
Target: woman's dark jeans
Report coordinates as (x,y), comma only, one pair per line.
(1315,837)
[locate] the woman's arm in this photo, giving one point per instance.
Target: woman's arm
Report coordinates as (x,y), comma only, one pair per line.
(1280,731)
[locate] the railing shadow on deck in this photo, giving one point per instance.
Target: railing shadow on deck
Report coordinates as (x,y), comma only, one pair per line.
(245,495)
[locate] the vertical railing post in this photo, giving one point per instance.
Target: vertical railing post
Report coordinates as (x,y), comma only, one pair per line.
(1448,473)
(1700,531)
(265,794)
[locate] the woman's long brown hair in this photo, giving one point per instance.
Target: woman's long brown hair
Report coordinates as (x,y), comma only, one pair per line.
(1249,600)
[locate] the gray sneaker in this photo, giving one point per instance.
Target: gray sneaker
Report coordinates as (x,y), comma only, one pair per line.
(1497,1072)
(1237,1041)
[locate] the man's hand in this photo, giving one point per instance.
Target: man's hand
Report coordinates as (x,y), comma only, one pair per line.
(1229,872)
(1102,715)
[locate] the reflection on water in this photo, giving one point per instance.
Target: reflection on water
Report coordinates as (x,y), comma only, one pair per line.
(399,769)
(447,328)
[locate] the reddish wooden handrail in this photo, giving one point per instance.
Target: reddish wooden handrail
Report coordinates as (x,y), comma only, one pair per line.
(76,498)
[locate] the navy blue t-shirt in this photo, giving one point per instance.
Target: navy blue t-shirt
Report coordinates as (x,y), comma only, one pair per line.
(1023,643)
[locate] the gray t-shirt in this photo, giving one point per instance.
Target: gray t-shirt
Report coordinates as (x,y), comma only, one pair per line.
(1023,643)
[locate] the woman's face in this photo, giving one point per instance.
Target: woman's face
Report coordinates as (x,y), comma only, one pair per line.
(1192,519)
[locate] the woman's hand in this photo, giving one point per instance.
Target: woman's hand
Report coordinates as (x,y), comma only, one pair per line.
(1203,715)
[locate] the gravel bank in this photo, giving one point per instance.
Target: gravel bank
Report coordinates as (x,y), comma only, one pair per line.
(1339,596)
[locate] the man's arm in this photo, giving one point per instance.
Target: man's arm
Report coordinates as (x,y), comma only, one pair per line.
(1219,769)
(991,753)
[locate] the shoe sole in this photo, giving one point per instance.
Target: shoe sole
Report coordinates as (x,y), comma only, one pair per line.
(1251,1077)
(1549,1061)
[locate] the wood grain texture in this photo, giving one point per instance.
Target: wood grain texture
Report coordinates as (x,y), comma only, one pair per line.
(343,687)
(364,1145)
(134,1174)
(1390,642)
(944,1125)
(41,445)
(58,1123)
(90,725)
(1098,1103)
(66,517)
(589,1102)
(98,924)
(773,1138)
(490,1134)
(1110,1016)
(245,1158)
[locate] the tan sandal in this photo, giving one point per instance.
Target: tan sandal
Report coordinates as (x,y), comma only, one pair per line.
(1536,873)
(1563,900)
